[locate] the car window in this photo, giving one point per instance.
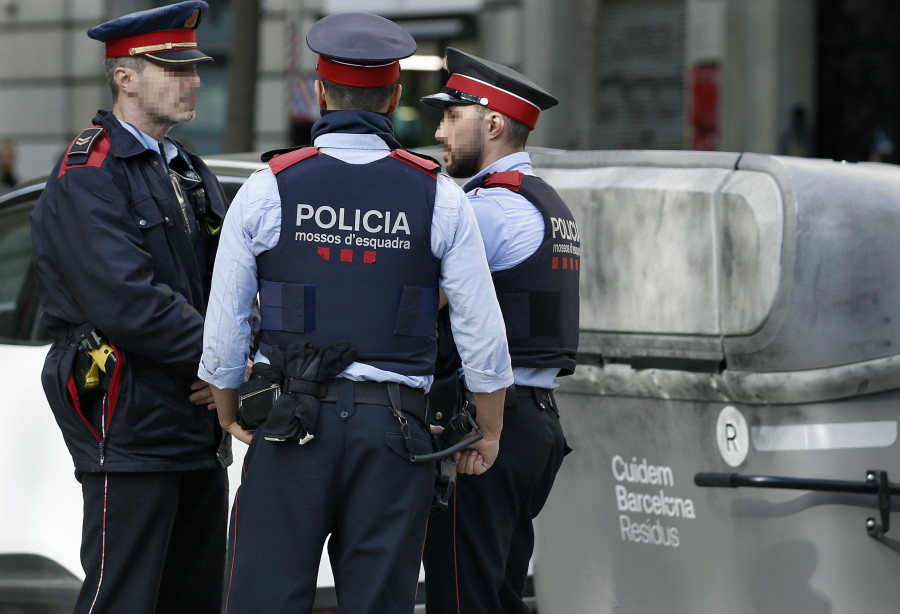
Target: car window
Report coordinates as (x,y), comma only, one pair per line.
(231,185)
(20,310)
(19,306)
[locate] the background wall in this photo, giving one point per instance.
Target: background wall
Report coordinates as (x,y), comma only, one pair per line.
(630,74)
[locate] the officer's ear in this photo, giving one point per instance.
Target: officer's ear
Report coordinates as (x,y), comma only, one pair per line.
(496,124)
(123,78)
(396,93)
(320,95)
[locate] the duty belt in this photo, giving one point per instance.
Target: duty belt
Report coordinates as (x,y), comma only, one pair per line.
(412,400)
(543,396)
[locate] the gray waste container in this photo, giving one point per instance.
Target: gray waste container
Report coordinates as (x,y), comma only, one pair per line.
(740,314)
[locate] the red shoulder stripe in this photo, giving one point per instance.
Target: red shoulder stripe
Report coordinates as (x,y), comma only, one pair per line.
(511,180)
(279,162)
(423,164)
(98,152)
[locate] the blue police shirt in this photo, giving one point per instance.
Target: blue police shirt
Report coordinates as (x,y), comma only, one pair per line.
(253,225)
(512,229)
(151,143)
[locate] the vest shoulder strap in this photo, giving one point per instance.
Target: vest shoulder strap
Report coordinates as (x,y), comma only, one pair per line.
(420,162)
(279,162)
(511,180)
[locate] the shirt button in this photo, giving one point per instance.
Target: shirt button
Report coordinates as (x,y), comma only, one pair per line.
(143,222)
(344,414)
(155,163)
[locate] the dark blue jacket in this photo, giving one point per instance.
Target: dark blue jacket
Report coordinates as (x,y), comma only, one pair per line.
(111,253)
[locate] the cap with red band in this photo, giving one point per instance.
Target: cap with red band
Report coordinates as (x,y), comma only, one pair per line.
(474,80)
(496,98)
(356,75)
(359,49)
(166,35)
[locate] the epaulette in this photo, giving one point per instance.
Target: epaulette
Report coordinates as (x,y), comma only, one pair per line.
(80,149)
(511,180)
(423,163)
(88,149)
(280,161)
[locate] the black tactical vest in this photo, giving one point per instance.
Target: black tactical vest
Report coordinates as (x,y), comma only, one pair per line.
(539,297)
(354,259)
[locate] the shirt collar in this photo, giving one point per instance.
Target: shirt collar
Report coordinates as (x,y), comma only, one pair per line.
(519,161)
(149,142)
(344,140)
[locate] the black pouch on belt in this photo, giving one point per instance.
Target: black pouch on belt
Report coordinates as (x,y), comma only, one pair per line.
(451,406)
(257,396)
(307,368)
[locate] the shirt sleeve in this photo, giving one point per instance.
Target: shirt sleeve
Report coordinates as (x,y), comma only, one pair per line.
(511,227)
(475,315)
(252,226)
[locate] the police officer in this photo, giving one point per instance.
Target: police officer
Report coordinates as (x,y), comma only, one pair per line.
(124,237)
(477,552)
(349,240)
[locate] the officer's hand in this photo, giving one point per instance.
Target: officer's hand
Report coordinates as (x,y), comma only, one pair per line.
(202,395)
(477,458)
(235,429)
(227,400)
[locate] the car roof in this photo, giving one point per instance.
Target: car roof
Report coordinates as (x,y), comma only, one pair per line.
(225,166)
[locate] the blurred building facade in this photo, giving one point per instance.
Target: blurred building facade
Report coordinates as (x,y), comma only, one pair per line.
(630,74)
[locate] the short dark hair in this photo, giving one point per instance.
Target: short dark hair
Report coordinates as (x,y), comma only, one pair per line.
(110,65)
(516,132)
(349,98)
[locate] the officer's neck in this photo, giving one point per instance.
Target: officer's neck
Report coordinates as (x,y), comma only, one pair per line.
(151,125)
(494,150)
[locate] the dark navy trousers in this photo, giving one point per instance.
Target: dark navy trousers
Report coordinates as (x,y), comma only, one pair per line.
(478,549)
(354,482)
(153,543)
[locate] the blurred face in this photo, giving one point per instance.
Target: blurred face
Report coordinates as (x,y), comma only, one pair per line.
(461,132)
(166,93)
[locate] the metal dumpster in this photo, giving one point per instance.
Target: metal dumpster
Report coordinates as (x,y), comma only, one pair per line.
(734,412)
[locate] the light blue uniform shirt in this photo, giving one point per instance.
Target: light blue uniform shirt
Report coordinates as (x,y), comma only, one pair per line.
(253,225)
(151,143)
(512,229)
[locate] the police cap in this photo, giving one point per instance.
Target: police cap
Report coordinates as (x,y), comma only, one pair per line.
(166,35)
(359,49)
(474,80)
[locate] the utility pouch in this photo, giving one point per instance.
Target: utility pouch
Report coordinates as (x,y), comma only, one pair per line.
(444,484)
(257,396)
(451,406)
(446,396)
